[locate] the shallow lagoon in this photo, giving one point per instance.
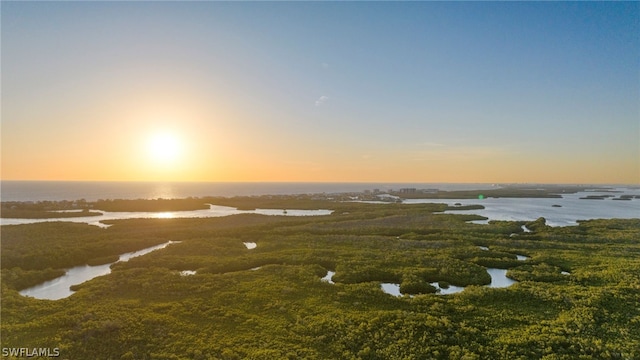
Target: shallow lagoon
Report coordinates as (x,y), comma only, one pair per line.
(571,207)
(499,279)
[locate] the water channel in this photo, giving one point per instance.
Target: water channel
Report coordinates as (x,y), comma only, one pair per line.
(59,288)
(212,211)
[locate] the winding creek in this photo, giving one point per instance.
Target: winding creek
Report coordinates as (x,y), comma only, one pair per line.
(59,288)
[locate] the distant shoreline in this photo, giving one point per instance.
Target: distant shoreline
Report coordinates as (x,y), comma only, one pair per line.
(83,208)
(13,190)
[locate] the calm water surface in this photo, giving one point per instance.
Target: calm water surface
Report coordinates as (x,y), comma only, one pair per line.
(499,279)
(213,211)
(58,288)
(571,209)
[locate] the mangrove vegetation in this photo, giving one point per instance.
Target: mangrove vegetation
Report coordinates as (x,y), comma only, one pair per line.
(577,294)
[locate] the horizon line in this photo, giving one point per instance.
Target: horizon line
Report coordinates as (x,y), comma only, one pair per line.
(323,182)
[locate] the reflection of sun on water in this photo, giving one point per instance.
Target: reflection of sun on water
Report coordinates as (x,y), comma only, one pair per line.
(165,215)
(162,190)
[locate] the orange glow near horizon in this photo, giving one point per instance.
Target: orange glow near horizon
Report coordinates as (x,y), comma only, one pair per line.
(229,163)
(170,144)
(162,141)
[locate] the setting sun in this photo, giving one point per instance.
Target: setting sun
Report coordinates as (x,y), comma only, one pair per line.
(164,148)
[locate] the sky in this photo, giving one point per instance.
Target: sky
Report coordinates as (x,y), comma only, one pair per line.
(491,92)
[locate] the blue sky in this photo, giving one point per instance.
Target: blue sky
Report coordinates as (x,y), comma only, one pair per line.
(323,91)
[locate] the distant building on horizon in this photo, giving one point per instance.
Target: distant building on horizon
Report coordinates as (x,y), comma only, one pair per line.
(408,191)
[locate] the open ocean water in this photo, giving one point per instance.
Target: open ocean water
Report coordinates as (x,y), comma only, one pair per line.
(95,190)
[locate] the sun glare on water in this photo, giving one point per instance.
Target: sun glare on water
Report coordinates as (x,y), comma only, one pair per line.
(165,215)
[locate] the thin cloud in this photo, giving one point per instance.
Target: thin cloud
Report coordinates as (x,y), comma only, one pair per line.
(321,100)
